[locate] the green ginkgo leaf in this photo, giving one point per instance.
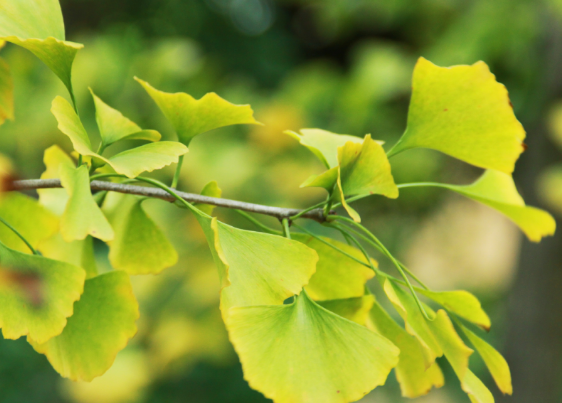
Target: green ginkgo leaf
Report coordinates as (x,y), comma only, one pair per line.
(415,378)
(464,112)
(191,117)
(114,126)
(355,309)
(461,303)
(416,324)
(211,189)
(139,246)
(41,307)
(324,144)
(102,324)
(54,200)
(256,268)
(37,26)
(497,190)
(494,361)
(31,219)
(130,163)
(82,216)
(302,352)
(337,276)
(6,92)
(78,253)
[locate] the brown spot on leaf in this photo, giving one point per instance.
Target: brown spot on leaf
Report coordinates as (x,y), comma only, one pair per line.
(525,146)
(338,391)
(445,110)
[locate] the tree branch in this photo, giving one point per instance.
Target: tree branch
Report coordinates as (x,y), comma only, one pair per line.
(277,212)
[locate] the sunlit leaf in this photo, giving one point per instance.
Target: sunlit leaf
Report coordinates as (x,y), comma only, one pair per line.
(114,126)
(325,180)
(354,309)
(415,378)
(211,189)
(461,303)
(191,117)
(131,162)
(464,112)
(139,246)
(102,324)
(54,199)
(37,26)
(147,158)
(41,308)
(32,220)
(78,253)
(6,92)
(301,353)
(494,361)
(416,324)
(82,216)
(256,268)
(324,144)
(497,190)
(337,276)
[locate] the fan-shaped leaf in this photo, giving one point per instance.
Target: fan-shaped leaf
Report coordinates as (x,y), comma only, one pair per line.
(337,276)
(464,112)
(70,124)
(31,219)
(210,189)
(40,306)
(354,309)
(139,247)
(497,190)
(103,323)
(303,353)
(6,92)
(461,303)
(82,216)
(54,199)
(256,268)
(37,26)
(415,378)
(494,361)
(114,126)
(78,253)
(191,117)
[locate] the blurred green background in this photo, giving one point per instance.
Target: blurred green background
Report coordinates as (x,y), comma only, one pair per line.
(340,65)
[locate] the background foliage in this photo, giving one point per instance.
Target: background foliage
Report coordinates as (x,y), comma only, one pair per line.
(341,65)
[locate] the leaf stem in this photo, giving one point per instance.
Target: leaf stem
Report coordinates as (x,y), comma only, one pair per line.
(306,210)
(15,231)
(178,172)
(286,230)
(257,223)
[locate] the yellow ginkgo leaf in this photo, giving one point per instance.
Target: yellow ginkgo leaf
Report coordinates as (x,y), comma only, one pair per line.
(464,112)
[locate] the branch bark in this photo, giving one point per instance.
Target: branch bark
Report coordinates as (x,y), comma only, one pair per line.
(277,212)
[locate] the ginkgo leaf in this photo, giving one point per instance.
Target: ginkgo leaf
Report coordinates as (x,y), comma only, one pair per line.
(415,378)
(210,189)
(6,92)
(139,246)
(324,144)
(82,216)
(303,353)
(40,310)
(31,219)
(131,162)
(461,303)
(54,199)
(415,322)
(191,117)
(37,25)
(457,353)
(464,112)
(337,276)
(147,158)
(256,268)
(78,253)
(102,324)
(494,361)
(497,190)
(355,309)
(114,126)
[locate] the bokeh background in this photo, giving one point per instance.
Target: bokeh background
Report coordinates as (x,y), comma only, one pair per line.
(340,65)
